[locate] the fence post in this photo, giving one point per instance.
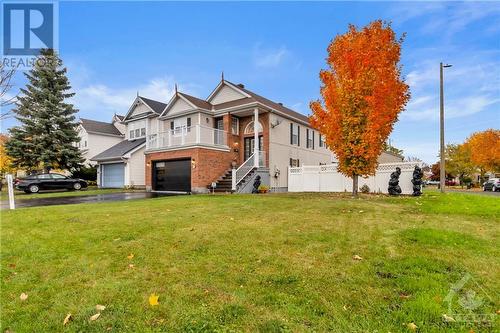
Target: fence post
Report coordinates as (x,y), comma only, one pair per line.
(233,179)
(10,188)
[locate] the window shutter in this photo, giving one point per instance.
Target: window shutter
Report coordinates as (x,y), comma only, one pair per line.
(307,138)
(298,135)
(189,122)
(291,136)
(298,162)
(171,125)
(313,138)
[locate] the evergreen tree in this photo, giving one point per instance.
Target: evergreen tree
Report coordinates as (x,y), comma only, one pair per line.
(47,132)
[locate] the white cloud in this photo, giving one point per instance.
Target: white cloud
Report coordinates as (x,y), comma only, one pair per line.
(268,58)
(99,98)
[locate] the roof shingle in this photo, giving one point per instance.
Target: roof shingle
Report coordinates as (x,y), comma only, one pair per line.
(95,126)
(118,150)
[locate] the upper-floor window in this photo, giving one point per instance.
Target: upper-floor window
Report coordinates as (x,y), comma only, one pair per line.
(131,134)
(294,134)
(137,129)
(177,125)
(310,138)
(235,126)
(321,141)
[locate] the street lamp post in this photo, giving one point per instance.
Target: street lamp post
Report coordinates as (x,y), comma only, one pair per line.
(442,172)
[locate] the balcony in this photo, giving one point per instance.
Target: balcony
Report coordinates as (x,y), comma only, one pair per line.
(196,135)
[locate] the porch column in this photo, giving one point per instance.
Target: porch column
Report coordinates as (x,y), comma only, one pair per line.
(256,137)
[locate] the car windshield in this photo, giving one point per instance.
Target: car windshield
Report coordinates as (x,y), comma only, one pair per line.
(45,176)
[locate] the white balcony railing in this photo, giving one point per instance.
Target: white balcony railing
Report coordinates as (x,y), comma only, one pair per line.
(186,136)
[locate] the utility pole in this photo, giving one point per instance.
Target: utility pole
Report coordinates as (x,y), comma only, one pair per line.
(442,171)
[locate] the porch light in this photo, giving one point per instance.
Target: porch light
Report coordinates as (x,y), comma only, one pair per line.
(193,163)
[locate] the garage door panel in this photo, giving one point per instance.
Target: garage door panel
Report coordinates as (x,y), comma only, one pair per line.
(113,175)
(172,176)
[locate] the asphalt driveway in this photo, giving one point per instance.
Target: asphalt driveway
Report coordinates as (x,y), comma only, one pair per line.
(81,199)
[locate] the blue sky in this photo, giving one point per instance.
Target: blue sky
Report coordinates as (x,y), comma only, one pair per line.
(114,49)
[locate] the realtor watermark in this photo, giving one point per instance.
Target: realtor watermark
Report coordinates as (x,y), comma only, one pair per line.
(28,27)
(469,302)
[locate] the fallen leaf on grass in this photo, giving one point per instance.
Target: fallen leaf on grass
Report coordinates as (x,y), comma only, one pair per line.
(67,319)
(100,307)
(356,257)
(361,211)
(448,319)
(412,326)
(404,296)
(131,266)
(94,317)
(23,297)
(130,256)
(153,299)
(12,265)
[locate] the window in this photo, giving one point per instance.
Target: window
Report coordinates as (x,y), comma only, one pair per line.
(310,138)
(58,176)
(137,133)
(143,131)
(85,143)
(235,125)
(131,134)
(294,162)
(249,128)
(188,123)
(321,141)
(45,176)
(294,134)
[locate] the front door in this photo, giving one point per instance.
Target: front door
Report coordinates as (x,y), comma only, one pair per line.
(250,145)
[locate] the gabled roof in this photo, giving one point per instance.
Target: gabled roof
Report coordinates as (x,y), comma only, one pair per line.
(119,150)
(100,127)
(202,104)
(257,98)
(120,117)
(156,106)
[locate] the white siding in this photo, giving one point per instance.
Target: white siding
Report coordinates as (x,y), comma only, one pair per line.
(226,94)
(136,169)
(140,109)
(96,144)
(280,150)
(179,106)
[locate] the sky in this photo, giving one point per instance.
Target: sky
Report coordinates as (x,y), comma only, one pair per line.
(113,50)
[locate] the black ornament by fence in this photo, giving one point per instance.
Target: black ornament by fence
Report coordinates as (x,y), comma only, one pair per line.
(417,181)
(394,188)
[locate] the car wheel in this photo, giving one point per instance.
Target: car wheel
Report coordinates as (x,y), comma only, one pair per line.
(77,186)
(34,188)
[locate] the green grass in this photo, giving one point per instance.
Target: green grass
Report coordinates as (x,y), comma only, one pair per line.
(266,263)
(20,195)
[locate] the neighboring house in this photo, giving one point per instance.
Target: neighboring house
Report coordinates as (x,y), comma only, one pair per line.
(123,164)
(97,136)
(388,157)
(195,142)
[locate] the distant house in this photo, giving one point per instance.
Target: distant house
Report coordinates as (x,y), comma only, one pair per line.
(97,136)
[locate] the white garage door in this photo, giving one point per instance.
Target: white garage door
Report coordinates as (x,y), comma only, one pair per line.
(113,175)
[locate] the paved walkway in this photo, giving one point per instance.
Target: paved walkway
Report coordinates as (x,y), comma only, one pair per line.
(81,199)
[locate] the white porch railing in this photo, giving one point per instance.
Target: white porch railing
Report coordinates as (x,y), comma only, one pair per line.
(185,136)
(239,174)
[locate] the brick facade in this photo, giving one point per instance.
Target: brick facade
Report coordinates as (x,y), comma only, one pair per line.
(207,165)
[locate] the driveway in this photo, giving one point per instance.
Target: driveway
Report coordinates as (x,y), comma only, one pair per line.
(82,199)
(488,193)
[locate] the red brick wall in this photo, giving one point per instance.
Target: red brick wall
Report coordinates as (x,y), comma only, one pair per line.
(208,164)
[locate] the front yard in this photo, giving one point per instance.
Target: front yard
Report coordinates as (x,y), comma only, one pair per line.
(91,190)
(268,263)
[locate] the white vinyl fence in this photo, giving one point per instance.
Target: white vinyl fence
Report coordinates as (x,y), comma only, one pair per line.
(326,178)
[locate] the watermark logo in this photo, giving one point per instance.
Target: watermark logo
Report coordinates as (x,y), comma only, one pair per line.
(468,301)
(27,27)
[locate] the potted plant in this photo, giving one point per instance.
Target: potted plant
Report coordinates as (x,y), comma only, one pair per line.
(263,188)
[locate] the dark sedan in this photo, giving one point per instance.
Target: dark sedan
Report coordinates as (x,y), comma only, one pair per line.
(492,184)
(48,181)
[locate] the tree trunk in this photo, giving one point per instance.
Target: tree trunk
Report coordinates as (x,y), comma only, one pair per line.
(354,185)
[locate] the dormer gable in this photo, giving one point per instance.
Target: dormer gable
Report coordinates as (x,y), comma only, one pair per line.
(143,107)
(226,92)
(182,103)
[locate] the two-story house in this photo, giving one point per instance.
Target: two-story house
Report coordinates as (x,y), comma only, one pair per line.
(97,136)
(123,164)
(194,142)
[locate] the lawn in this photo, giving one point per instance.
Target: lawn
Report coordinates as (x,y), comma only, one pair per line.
(265,263)
(20,195)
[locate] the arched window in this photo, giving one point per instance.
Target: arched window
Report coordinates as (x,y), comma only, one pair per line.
(249,128)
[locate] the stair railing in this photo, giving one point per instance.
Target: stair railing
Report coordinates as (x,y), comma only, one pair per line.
(239,174)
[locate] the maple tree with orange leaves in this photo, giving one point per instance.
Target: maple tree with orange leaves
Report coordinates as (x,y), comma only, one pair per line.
(362,94)
(485,150)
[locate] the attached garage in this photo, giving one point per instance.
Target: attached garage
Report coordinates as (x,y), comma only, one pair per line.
(113,175)
(172,175)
